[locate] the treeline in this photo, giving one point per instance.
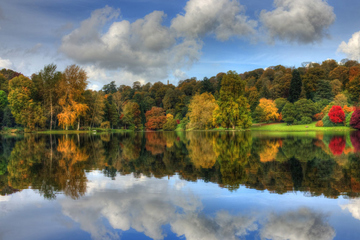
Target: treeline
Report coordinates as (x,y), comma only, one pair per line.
(52,164)
(51,99)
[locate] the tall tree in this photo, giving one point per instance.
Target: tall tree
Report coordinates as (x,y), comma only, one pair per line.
(201,108)
(295,86)
(26,111)
(233,109)
(71,87)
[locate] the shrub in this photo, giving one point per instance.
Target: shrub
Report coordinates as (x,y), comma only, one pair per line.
(355,120)
(319,116)
(289,120)
(105,125)
(170,125)
(327,122)
(296,122)
(306,120)
(336,114)
(348,118)
(319,124)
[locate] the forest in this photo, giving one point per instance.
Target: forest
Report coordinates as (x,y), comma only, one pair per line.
(326,92)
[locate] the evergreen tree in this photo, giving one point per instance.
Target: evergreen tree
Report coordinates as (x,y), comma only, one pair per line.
(295,87)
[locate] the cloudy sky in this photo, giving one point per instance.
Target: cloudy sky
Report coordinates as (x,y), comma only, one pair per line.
(156,40)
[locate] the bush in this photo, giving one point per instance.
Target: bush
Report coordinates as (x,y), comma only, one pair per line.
(336,114)
(348,118)
(355,120)
(170,125)
(306,120)
(289,120)
(105,125)
(296,122)
(327,122)
(319,124)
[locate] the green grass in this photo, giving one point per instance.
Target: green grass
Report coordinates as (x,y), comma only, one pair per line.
(283,127)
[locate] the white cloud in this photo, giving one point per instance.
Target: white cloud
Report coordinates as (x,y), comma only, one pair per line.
(352,48)
(300,225)
(5,63)
(148,205)
(146,50)
(354,208)
(302,21)
(224,18)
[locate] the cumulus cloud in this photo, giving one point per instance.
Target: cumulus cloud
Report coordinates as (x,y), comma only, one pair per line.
(5,63)
(300,225)
(301,21)
(147,206)
(148,50)
(352,48)
(224,18)
(353,207)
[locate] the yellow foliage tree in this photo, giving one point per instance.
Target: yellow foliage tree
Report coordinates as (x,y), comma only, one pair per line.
(269,110)
(201,110)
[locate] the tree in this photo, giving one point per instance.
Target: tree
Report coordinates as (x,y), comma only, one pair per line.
(280,103)
(295,87)
(289,112)
(340,100)
(47,81)
(269,110)
(336,86)
(26,111)
(170,124)
(336,114)
(109,88)
(340,73)
(155,118)
(132,114)
(354,88)
(201,109)
(355,120)
(305,108)
(233,109)
(71,87)
(323,91)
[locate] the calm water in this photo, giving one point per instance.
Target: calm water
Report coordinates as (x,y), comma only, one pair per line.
(180,186)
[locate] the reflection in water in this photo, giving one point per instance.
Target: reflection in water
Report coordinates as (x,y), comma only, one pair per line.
(301,224)
(323,165)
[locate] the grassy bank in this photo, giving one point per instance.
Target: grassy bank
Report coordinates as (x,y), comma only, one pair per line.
(283,127)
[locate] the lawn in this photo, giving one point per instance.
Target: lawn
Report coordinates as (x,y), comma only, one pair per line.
(283,127)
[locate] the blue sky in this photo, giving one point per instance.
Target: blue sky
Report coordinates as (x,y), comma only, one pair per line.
(148,41)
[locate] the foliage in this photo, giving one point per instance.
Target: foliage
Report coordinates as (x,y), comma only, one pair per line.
(295,87)
(280,104)
(268,110)
(337,145)
(319,123)
(327,122)
(306,120)
(132,114)
(26,112)
(289,112)
(336,114)
(155,118)
(200,112)
(105,125)
(355,119)
(305,108)
(170,124)
(348,119)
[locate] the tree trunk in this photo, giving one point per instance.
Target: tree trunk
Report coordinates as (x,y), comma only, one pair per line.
(78,128)
(66,128)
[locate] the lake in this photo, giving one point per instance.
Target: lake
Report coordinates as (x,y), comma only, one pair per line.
(169,185)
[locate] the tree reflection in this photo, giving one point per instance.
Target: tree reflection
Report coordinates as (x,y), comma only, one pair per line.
(322,165)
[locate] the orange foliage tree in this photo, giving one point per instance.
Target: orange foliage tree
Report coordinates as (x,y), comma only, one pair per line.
(155,118)
(269,110)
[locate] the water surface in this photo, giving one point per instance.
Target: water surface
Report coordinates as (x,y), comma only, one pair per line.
(167,185)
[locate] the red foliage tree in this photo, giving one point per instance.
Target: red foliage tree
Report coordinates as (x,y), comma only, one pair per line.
(355,119)
(337,145)
(336,114)
(155,118)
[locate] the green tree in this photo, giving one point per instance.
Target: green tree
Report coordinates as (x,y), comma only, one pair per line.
(233,109)
(295,87)
(26,111)
(289,112)
(323,91)
(132,114)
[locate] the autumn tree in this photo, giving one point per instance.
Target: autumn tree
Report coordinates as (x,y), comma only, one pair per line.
(355,120)
(295,87)
(201,109)
(233,108)
(131,114)
(26,111)
(170,124)
(70,89)
(336,114)
(268,109)
(155,118)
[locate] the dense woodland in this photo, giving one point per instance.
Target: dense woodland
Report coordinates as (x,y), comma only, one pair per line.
(326,92)
(324,165)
